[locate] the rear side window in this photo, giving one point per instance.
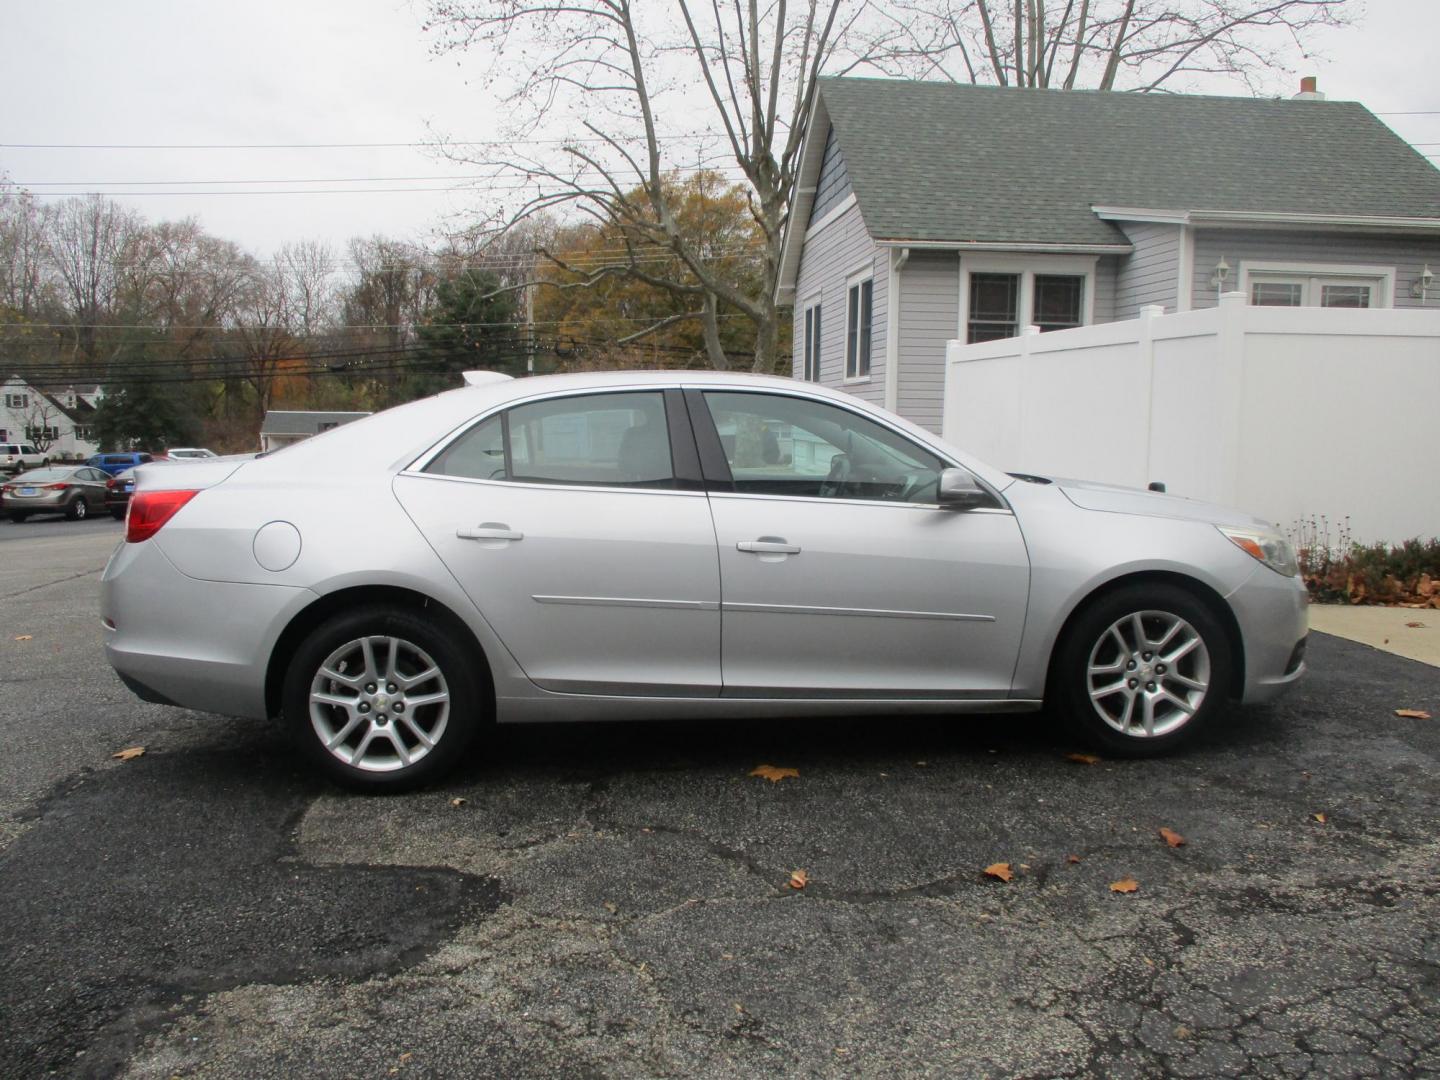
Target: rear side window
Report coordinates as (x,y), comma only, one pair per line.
(612,440)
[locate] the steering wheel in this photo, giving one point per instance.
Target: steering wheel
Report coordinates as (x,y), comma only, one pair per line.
(834,483)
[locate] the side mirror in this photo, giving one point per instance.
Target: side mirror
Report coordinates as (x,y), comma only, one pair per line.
(959,491)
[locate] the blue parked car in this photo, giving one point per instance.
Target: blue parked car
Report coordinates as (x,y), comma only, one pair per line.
(118,463)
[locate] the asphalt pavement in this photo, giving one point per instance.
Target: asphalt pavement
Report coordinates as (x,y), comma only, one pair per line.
(617,900)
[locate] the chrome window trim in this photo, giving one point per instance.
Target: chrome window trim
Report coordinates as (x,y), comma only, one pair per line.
(510,485)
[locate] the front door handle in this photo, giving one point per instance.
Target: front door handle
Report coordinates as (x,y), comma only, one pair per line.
(490,530)
(769,545)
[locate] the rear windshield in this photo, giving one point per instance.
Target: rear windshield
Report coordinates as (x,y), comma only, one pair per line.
(118,459)
(42,476)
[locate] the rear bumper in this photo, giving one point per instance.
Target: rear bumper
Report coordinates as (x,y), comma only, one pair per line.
(1274,618)
(178,640)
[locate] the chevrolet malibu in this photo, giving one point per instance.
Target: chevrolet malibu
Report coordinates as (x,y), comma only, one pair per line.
(628,545)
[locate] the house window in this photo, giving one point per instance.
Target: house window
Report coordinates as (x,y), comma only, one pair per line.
(42,434)
(811,366)
(1001,295)
(994,307)
(1057,301)
(17,401)
(82,432)
(1310,285)
(858,321)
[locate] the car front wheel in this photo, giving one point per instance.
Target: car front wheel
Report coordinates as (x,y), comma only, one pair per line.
(1143,670)
(381,699)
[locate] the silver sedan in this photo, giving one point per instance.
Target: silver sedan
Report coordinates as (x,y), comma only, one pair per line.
(681,544)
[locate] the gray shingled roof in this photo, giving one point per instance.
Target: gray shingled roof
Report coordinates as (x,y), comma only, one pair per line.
(294,422)
(941,162)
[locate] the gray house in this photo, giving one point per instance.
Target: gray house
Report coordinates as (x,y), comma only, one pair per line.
(281,427)
(927,212)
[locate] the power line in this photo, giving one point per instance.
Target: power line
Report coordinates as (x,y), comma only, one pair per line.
(355,146)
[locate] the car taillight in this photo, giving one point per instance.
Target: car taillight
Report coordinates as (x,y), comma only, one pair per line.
(149,510)
(56,487)
(111,482)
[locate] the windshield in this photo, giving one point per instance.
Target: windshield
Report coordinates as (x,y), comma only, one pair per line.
(43,476)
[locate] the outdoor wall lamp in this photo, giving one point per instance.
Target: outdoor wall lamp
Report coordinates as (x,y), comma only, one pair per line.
(1424,283)
(1222,271)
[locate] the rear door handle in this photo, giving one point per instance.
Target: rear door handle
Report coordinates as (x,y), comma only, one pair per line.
(490,530)
(769,545)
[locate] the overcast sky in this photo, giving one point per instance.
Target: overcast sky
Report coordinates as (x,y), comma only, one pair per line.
(361,71)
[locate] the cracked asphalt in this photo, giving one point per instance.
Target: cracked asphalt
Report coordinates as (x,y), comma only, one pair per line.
(612,900)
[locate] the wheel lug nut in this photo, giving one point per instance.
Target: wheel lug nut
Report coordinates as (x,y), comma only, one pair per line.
(364,706)
(1130,666)
(370,688)
(390,688)
(1149,686)
(1148,655)
(399,706)
(1134,683)
(1159,669)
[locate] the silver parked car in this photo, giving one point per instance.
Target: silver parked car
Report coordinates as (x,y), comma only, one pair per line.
(678,544)
(73,490)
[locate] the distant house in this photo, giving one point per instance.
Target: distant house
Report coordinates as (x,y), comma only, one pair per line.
(60,423)
(930,212)
(282,427)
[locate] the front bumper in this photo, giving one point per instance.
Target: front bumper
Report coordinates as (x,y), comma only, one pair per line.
(198,644)
(1274,618)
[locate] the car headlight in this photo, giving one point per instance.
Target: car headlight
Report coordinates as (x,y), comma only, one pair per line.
(1265,545)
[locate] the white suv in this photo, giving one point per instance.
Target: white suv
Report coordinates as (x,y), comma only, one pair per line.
(17,456)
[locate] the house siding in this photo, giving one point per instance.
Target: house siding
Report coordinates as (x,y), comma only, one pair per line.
(842,248)
(929,318)
(1106,272)
(834,182)
(1406,255)
(1148,275)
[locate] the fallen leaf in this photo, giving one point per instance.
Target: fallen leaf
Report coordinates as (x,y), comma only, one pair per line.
(1412,714)
(1171,837)
(128,753)
(1125,885)
(1072,859)
(1083,759)
(773,773)
(1415,625)
(1319,817)
(457,802)
(24,637)
(798,880)
(999,870)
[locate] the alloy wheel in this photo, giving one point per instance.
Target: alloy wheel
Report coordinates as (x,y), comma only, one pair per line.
(1148,674)
(379,703)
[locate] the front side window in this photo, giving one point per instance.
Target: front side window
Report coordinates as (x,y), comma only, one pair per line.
(859,319)
(780,445)
(811,366)
(596,439)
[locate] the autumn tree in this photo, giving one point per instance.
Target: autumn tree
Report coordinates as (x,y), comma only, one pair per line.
(593,310)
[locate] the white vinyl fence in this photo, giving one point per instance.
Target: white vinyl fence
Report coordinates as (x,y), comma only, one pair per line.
(1289,413)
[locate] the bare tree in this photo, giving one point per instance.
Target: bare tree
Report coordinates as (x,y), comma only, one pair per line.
(41,416)
(25,279)
(625,84)
(1142,45)
(89,241)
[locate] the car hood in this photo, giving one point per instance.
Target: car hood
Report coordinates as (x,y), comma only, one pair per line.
(1115,499)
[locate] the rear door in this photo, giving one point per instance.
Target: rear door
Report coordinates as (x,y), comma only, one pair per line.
(579,526)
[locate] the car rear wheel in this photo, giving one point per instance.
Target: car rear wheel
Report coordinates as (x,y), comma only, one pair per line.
(18,517)
(78,509)
(1143,670)
(118,513)
(382,700)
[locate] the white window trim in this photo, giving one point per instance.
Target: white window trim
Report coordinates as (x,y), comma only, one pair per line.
(1027,267)
(814,300)
(857,277)
(1385,275)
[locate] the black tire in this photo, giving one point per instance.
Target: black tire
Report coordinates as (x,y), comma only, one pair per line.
(118,513)
(1099,720)
(458,673)
(78,510)
(18,516)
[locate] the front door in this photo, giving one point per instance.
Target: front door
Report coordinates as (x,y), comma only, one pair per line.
(572,525)
(840,575)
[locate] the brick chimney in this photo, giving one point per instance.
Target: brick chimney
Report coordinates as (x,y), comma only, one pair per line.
(1308,91)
